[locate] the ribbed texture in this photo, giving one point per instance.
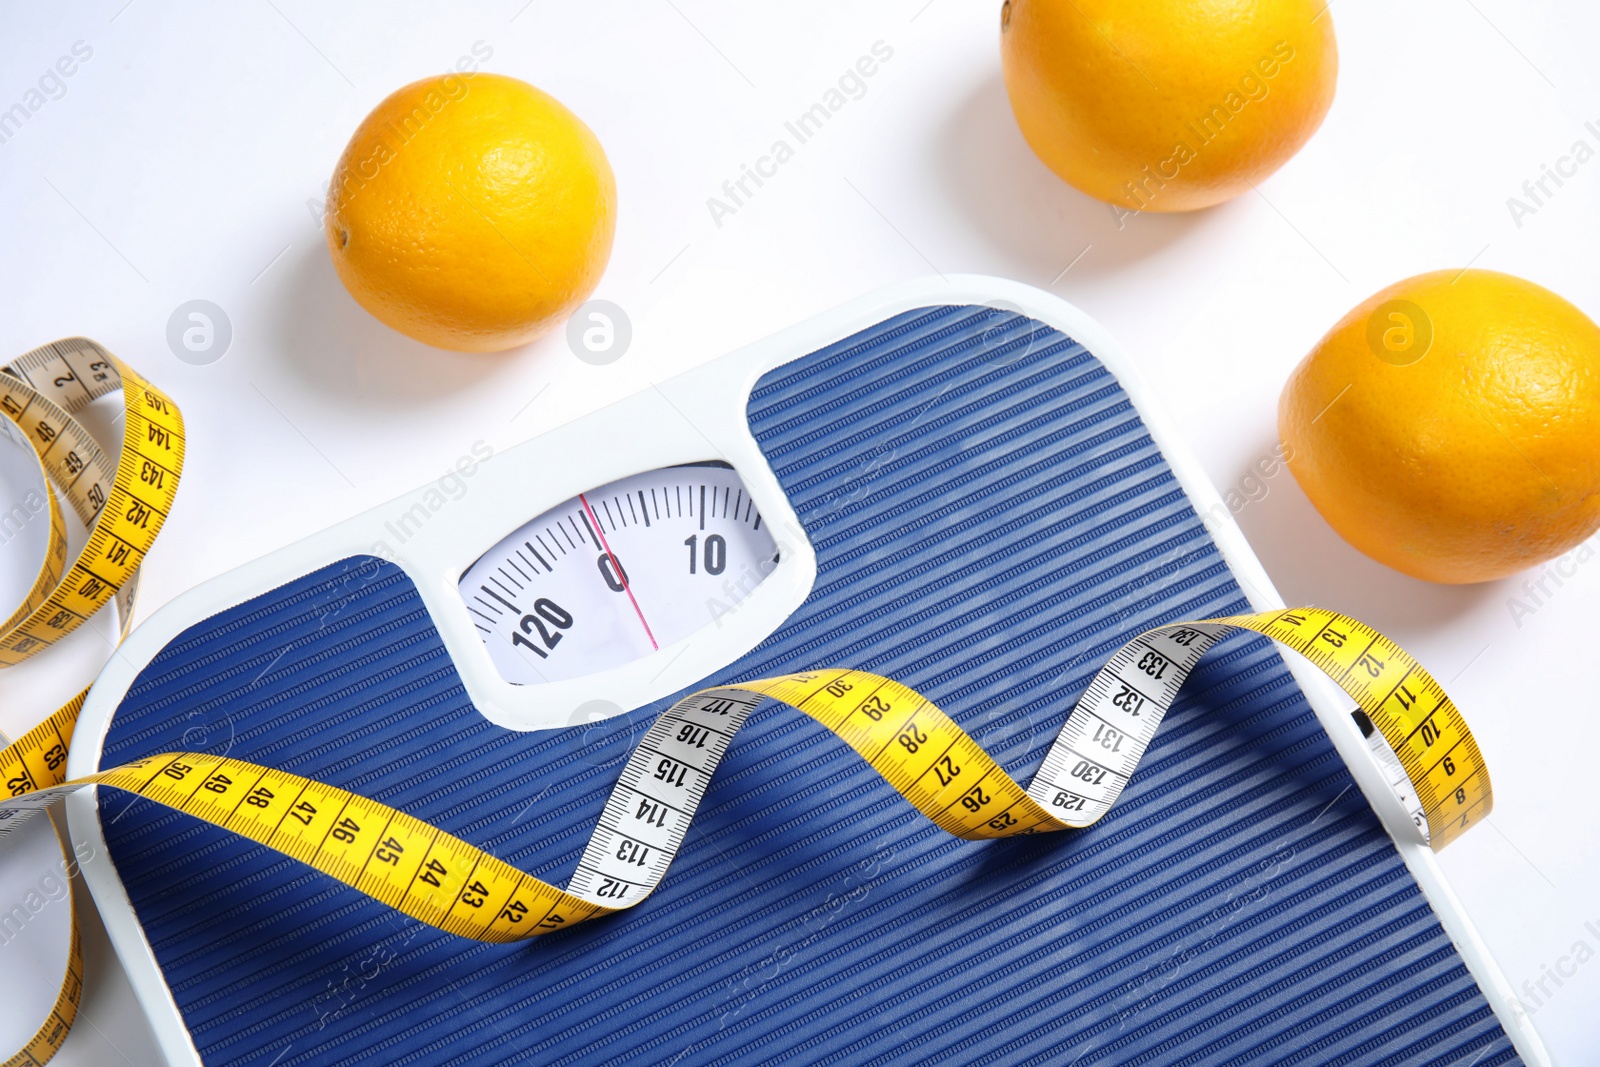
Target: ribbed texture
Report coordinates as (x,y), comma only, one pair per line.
(990,521)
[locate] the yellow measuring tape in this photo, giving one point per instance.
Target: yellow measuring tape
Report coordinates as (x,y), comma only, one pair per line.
(441,880)
(123,505)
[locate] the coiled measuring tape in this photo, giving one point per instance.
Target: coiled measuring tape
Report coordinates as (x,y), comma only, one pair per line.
(123,505)
(439,879)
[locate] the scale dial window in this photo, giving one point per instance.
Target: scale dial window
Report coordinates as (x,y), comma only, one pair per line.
(618,572)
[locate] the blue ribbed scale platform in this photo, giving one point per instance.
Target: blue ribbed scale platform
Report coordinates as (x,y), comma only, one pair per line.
(990,521)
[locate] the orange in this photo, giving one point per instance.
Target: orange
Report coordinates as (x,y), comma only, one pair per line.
(1447,426)
(471,212)
(1167,105)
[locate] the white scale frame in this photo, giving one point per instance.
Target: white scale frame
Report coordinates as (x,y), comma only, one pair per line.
(697,416)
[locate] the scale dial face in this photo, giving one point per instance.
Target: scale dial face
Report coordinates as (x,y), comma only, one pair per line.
(618,572)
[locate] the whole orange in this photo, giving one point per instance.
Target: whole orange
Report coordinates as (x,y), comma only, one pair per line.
(1167,105)
(1448,426)
(471,212)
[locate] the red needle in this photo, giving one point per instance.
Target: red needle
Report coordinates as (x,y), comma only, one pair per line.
(594,522)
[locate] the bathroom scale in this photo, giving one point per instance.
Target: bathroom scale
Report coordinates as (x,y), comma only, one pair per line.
(960,484)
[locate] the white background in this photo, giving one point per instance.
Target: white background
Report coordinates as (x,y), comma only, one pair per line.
(180,161)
